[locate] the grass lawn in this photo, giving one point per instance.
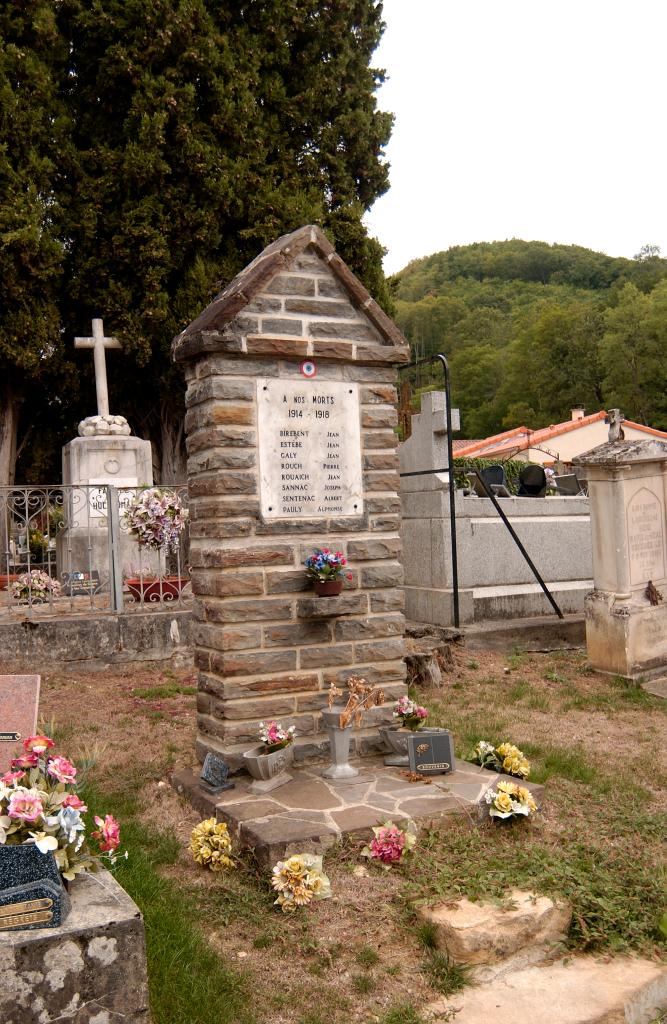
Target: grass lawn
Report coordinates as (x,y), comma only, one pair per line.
(219,950)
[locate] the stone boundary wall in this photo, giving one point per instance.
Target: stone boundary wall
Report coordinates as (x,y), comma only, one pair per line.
(266,646)
(93,643)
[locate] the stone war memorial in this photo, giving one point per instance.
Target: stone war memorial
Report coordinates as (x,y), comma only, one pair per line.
(290,433)
(291,443)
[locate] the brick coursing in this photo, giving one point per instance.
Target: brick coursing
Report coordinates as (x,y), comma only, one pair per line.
(265,646)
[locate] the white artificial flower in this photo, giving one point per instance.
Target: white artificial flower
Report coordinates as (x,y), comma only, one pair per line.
(44,843)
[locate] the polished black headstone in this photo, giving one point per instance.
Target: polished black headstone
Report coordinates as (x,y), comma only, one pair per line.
(431,752)
(214,774)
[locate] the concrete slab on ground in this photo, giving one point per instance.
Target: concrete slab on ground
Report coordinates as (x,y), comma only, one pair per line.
(541,633)
(311,813)
(658,687)
(575,990)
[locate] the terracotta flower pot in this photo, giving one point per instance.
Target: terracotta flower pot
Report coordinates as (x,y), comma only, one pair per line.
(167,588)
(6,579)
(328,588)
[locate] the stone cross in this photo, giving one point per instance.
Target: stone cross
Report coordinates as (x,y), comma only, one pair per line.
(99,343)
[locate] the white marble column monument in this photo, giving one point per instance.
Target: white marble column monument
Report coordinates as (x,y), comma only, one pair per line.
(104,453)
(626,614)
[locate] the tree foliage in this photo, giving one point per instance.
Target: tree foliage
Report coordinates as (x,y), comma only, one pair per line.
(197,131)
(532,330)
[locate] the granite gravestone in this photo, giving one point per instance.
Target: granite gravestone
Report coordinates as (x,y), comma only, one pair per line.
(214,774)
(31,890)
(19,700)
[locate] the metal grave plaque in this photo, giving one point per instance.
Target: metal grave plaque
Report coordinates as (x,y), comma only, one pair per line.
(431,752)
(309,441)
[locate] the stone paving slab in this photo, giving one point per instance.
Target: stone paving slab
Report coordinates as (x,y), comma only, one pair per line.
(310,812)
(658,687)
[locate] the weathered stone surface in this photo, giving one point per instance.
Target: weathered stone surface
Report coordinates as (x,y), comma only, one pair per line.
(241,710)
(248,611)
(382,576)
(364,629)
(578,990)
(216,388)
(93,643)
(239,664)
(214,437)
(226,458)
(324,607)
(292,284)
(278,346)
(314,632)
(482,933)
(287,581)
(321,657)
(229,584)
(387,600)
(205,484)
(363,550)
(90,970)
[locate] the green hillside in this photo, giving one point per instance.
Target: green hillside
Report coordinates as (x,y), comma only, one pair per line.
(531,329)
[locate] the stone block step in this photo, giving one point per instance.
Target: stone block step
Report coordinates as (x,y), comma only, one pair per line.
(528,599)
(574,990)
(486,933)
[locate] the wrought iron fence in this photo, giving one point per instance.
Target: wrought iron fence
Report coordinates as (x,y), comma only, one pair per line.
(68,549)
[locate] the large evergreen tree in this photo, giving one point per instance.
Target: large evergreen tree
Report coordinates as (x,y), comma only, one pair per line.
(202,130)
(34,144)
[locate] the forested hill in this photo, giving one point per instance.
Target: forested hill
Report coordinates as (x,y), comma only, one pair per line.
(532,329)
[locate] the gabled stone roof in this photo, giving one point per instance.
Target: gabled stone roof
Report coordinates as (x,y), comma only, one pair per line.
(276,258)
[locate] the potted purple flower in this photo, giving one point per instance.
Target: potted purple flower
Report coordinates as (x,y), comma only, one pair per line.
(327,570)
(411,717)
(157,519)
(274,754)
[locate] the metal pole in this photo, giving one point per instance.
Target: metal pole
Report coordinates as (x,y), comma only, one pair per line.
(115,564)
(491,495)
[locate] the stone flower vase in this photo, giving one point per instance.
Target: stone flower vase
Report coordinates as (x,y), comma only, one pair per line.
(328,588)
(396,738)
(265,767)
(339,745)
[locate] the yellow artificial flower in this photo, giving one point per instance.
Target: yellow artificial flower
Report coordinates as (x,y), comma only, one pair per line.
(211,846)
(508,787)
(503,802)
(526,797)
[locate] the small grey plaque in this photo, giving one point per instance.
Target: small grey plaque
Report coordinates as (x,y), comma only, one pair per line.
(431,752)
(214,774)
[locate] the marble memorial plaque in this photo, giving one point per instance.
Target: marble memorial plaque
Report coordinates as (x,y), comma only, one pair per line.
(309,441)
(19,700)
(645,519)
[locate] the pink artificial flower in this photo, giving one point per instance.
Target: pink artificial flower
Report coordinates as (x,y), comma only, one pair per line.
(348,576)
(388,845)
(27,761)
(61,769)
(37,744)
(109,831)
(25,805)
(72,800)
(343,561)
(9,777)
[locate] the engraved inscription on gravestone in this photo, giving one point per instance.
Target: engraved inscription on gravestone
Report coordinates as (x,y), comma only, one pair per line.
(308,436)
(645,518)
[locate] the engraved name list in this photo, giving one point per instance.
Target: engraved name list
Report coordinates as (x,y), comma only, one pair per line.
(309,443)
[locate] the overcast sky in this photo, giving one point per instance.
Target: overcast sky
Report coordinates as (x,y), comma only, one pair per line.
(528,119)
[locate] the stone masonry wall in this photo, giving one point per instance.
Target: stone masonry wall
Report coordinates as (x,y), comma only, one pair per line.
(265,645)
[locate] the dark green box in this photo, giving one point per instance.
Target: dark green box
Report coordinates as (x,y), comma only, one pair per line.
(431,752)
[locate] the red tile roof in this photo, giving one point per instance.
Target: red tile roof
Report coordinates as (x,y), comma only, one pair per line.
(520,438)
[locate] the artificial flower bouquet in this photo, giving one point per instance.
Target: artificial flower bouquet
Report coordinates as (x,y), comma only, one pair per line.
(39,804)
(509,800)
(156,518)
(274,737)
(211,845)
(327,566)
(299,880)
(412,715)
(390,843)
(506,758)
(35,586)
